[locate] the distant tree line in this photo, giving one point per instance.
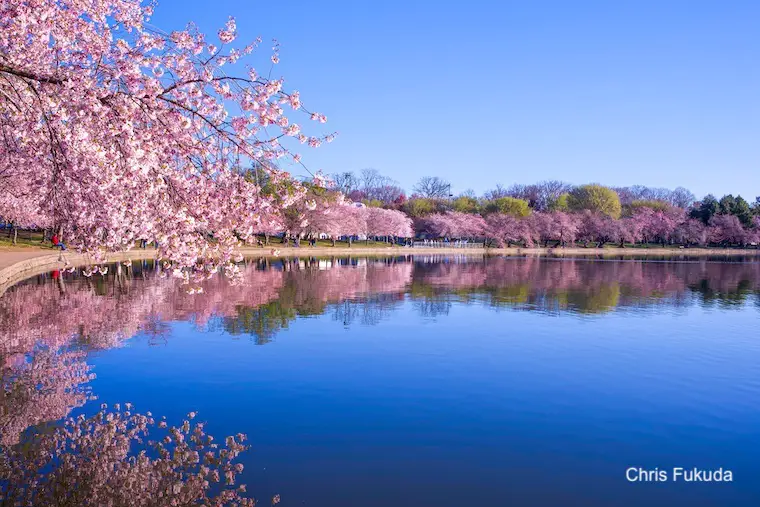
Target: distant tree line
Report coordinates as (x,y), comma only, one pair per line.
(591,213)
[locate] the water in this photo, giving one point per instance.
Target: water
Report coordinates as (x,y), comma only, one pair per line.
(439,381)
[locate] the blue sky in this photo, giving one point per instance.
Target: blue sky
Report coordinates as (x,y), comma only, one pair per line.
(646,92)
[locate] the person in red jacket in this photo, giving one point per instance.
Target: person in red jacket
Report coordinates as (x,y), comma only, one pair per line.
(57,242)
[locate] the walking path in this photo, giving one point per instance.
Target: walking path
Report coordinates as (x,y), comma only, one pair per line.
(11,257)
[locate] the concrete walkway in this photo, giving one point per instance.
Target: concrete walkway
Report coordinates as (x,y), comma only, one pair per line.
(11,257)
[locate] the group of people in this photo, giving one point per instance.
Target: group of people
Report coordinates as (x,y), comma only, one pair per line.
(445,243)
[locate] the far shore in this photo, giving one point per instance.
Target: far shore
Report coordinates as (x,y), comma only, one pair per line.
(19,263)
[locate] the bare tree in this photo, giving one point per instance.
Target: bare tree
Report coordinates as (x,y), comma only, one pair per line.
(496,193)
(540,196)
(387,194)
(345,182)
(525,192)
(682,197)
(381,188)
(433,187)
(371,178)
(679,197)
(549,191)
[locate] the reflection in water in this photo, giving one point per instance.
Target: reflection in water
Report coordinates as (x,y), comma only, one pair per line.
(584,286)
(49,324)
(45,386)
(107,459)
(99,312)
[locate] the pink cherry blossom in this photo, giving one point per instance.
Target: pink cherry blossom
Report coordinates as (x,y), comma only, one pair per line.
(114,132)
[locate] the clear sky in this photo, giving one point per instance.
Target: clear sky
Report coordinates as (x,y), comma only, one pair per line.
(659,93)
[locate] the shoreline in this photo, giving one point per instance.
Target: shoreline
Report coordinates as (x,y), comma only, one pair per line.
(18,264)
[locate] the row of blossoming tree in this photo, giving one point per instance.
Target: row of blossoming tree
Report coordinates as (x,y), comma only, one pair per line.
(559,228)
(593,214)
(323,211)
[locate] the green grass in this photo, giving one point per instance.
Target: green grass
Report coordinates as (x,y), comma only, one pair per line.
(25,238)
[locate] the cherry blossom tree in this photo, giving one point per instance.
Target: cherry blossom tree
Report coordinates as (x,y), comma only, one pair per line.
(402,225)
(554,226)
(470,226)
(690,232)
(453,224)
(755,231)
(124,133)
(434,226)
(508,229)
(727,230)
(387,223)
(542,226)
(658,225)
(629,230)
(347,220)
(271,224)
(565,227)
(592,228)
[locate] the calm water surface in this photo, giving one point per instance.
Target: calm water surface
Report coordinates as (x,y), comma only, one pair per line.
(420,382)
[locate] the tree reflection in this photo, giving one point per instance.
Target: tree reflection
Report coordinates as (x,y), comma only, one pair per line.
(582,286)
(43,386)
(49,324)
(311,288)
(119,458)
(368,311)
(45,332)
